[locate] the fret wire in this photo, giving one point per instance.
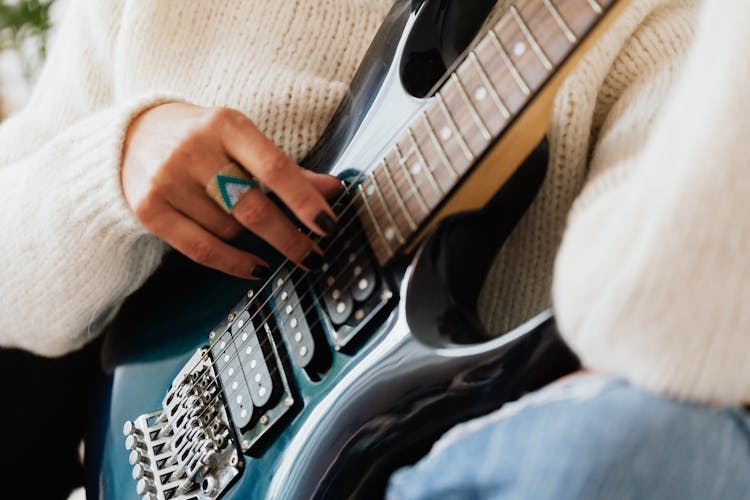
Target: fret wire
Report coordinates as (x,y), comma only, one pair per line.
(595,6)
(399,198)
(513,71)
(417,195)
(418,150)
(374,220)
(387,210)
(439,146)
(408,153)
(491,88)
(530,37)
(560,21)
(424,166)
(452,122)
(472,109)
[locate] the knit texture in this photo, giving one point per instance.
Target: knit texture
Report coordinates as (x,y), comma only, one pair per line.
(72,250)
(641,280)
(622,80)
(651,281)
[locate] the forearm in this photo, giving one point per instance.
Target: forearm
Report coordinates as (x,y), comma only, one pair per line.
(651,280)
(72,249)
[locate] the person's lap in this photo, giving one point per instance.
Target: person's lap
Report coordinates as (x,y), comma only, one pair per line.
(590,437)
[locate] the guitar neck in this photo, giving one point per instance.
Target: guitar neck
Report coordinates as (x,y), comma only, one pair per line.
(519,60)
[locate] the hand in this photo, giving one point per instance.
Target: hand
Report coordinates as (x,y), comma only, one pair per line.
(171,153)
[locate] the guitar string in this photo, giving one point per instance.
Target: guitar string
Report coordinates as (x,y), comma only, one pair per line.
(233,338)
(403,158)
(265,319)
(268,319)
(341,233)
(399,174)
(419,185)
(270,280)
(308,294)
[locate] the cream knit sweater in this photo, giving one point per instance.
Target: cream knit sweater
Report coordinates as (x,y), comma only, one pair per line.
(650,282)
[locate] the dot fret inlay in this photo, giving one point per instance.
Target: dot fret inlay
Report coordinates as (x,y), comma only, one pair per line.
(488,85)
(530,37)
(511,67)
(454,126)
(459,123)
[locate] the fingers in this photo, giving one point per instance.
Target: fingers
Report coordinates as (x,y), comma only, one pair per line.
(194,203)
(328,185)
(260,215)
(172,151)
(189,238)
(246,144)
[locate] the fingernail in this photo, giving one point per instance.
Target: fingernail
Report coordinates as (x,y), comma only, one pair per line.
(326,223)
(260,272)
(313,260)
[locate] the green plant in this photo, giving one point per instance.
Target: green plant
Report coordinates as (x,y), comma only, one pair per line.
(25,21)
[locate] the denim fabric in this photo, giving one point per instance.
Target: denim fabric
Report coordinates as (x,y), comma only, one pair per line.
(590,437)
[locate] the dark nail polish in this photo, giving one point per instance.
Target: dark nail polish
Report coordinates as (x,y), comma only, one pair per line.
(326,223)
(260,272)
(313,260)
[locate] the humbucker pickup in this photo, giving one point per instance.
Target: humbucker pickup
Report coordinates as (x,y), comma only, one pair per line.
(241,359)
(350,289)
(249,366)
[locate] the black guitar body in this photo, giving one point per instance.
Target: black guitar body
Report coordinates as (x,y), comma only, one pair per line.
(383,385)
(446,278)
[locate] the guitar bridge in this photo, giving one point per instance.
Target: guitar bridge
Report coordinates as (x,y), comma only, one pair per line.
(186,449)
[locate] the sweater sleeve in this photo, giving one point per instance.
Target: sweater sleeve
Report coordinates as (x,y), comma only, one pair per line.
(652,281)
(71,250)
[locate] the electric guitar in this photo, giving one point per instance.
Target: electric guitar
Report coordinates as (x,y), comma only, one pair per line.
(319,385)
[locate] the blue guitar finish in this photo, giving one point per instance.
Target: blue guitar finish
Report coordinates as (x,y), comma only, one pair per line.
(386,396)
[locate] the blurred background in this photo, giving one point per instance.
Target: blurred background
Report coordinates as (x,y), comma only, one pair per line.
(26,28)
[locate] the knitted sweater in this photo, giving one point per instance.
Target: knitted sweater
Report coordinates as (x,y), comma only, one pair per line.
(647,283)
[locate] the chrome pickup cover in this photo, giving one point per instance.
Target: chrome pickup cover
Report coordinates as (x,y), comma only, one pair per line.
(185,450)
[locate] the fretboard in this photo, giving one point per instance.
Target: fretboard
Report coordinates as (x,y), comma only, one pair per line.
(488,90)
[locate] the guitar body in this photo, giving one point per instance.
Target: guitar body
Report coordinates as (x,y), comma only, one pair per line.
(382,408)
(385,382)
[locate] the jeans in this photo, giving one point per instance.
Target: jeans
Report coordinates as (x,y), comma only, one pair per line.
(589,437)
